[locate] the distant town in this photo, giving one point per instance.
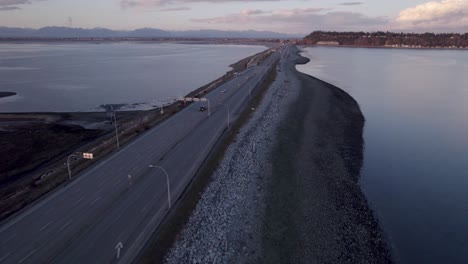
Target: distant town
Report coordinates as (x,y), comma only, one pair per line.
(388,39)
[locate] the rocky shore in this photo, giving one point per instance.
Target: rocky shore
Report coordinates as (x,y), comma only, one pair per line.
(287,189)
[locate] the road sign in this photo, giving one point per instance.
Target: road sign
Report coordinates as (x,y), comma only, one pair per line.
(88,156)
(118,248)
(193,99)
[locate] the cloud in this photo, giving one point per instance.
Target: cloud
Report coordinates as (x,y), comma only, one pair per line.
(250,12)
(7,5)
(302,20)
(442,15)
(182,8)
(351,3)
(8,8)
(152,3)
(13,2)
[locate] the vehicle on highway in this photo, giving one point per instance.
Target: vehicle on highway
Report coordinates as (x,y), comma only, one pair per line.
(202,108)
(223,91)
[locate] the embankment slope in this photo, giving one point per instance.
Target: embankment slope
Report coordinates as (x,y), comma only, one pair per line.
(315,210)
(286,190)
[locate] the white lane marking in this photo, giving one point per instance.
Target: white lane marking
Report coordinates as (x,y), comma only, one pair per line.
(49,211)
(65,225)
(10,238)
(118,182)
(78,201)
(5,256)
(101,184)
(44,227)
(27,256)
(95,200)
(144,208)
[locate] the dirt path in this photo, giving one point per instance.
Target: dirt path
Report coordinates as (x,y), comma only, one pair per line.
(315,210)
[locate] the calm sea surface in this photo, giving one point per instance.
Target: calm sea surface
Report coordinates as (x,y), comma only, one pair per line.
(80,77)
(415,172)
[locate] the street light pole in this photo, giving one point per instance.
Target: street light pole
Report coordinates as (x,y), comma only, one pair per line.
(115,126)
(77,154)
(68,164)
(167,179)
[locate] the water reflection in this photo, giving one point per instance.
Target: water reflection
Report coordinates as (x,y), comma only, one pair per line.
(80,77)
(415,172)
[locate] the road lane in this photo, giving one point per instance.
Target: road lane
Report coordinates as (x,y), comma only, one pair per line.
(85,217)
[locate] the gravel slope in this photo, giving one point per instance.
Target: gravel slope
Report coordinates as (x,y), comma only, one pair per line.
(287,191)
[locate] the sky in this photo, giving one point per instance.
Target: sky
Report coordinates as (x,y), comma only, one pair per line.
(285,16)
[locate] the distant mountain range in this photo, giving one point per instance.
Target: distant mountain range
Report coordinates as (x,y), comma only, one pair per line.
(66,32)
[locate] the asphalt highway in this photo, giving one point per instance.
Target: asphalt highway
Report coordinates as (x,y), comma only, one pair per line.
(85,221)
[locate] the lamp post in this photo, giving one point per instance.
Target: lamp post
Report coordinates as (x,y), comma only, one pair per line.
(88,156)
(115,126)
(167,179)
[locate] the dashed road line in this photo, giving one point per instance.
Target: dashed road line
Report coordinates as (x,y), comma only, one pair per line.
(5,256)
(65,225)
(95,200)
(81,199)
(45,226)
(27,256)
(10,238)
(49,211)
(118,182)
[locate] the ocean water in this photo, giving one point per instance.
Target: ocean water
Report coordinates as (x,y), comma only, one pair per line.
(415,173)
(83,76)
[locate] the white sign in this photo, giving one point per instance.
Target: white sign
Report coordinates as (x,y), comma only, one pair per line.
(193,99)
(88,156)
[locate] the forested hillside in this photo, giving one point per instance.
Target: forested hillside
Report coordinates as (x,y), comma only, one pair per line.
(388,39)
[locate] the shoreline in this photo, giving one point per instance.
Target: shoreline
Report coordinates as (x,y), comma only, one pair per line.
(7,94)
(314,193)
(379,47)
(287,191)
